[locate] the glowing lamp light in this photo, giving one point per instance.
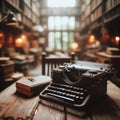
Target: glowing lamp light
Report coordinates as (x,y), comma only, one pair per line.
(19,42)
(24,39)
(1,35)
(74,46)
(92,39)
(117,40)
(1,39)
(23,36)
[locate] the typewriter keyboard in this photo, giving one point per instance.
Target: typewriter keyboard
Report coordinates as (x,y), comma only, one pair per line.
(65,94)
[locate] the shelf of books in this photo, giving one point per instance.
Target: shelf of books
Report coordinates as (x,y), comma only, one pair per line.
(26,22)
(94,4)
(35,18)
(85,18)
(27,12)
(110,4)
(112,10)
(13,5)
(100,11)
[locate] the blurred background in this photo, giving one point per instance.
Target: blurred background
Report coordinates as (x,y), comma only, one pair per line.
(90,28)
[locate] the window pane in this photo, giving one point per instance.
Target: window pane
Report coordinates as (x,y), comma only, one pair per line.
(72,23)
(71,38)
(60,3)
(51,40)
(58,23)
(64,23)
(51,22)
(65,40)
(58,40)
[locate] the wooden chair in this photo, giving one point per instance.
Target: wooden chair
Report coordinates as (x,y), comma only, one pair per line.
(49,63)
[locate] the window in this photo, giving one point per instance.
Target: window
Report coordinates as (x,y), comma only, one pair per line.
(61,32)
(60,3)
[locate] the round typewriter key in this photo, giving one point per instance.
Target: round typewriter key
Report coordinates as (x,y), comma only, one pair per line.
(77,97)
(69,90)
(77,88)
(72,91)
(81,97)
(71,95)
(63,93)
(81,93)
(81,89)
(67,94)
(77,93)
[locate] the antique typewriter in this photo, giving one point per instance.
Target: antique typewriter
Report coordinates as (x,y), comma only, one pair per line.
(75,84)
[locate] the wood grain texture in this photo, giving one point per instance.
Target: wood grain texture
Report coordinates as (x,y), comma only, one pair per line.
(49,111)
(12,104)
(16,106)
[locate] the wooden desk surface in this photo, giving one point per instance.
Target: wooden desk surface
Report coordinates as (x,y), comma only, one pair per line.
(16,106)
(104,54)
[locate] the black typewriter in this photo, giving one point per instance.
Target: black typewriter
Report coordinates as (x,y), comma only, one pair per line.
(75,84)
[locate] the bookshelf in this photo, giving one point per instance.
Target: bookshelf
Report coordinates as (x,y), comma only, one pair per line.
(99,13)
(26,12)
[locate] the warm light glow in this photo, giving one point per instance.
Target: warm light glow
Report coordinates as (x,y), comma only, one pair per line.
(1,39)
(0,45)
(96,44)
(19,42)
(61,3)
(117,40)
(74,46)
(92,39)
(24,39)
(1,34)
(12,24)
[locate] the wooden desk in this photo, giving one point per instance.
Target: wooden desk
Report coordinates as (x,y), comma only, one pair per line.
(103,57)
(16,106)
(112,59)
(90,56)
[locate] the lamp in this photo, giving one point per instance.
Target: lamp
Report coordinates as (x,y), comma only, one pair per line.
(9,20)
(8,24)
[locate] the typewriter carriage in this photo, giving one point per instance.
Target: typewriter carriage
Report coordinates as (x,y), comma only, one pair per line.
(94,80)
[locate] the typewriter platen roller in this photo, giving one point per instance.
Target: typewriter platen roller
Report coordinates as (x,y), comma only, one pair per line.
(75,84)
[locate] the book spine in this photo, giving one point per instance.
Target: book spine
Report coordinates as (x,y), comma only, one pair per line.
(22,86)
(26,88)
(27,93)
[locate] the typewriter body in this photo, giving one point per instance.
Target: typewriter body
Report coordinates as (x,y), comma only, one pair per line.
(75,84)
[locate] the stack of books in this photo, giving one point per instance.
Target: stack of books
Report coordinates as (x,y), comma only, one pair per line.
(113,51)
(31,87)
